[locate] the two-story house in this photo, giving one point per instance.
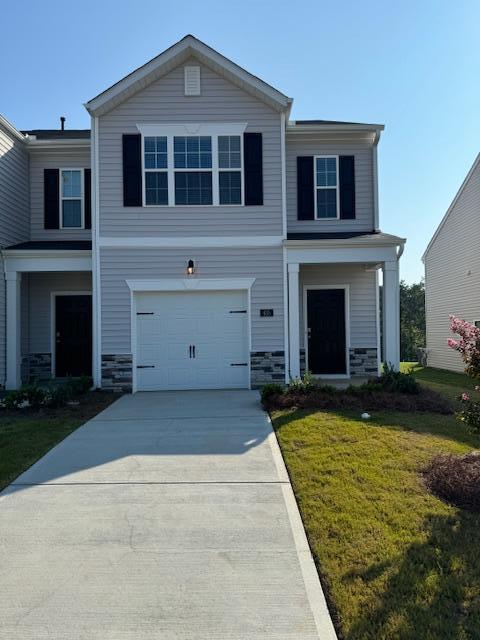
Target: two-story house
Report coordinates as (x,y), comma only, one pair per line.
(195,237)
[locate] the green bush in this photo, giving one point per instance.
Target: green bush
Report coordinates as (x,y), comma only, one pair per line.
(392,380)
(79,386)
(271,389)
(306,384)
(56,397)
(13,400)
(34,395)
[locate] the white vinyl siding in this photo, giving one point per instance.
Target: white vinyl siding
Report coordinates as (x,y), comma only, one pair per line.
(452,275)
(164,102)
(41,159)
(14,213)
(347,145)
(38,301)
(263,264)
(362,287)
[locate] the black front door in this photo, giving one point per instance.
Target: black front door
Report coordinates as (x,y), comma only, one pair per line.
(326,331)
(73,336)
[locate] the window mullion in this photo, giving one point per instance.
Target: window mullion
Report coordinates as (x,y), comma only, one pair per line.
(215,182)
(171,172)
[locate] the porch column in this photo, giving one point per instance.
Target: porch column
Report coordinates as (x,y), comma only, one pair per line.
(391,314)
(14,354)
(294,319)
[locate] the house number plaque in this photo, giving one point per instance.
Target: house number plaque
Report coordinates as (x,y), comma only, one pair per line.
(266,313)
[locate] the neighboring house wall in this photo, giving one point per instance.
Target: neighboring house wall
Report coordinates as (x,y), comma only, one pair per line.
(332,144)
(362,308)
(13,212)
(452,274)
(41,159)
(37,316)
(164,102)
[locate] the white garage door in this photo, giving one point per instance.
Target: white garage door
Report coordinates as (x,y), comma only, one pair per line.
(192,340)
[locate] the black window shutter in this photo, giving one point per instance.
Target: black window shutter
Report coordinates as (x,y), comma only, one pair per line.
(132,170)
(305,196)
(347,187)
(51,194)
(87,189)
(253,168)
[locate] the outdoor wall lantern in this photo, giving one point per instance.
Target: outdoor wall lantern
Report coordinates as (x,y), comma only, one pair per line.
(190,268)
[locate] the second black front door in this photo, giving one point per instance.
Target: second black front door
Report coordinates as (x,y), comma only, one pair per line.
(73,335)
(326,333)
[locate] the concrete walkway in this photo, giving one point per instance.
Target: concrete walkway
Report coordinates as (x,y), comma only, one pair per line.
(169,516)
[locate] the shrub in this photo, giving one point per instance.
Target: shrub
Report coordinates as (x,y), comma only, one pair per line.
(306,384)
(455,479)
(34,395)
(470,413)
(79,386)
(271,389)
(13,400)
(392,380)
(56,397)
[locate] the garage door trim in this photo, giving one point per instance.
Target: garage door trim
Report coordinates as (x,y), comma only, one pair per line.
(184,285)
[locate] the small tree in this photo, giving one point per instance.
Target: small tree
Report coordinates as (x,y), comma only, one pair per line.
(468,346)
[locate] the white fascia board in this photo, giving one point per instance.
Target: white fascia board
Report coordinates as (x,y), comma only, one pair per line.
(191,284)
(197,242)
(197,129)
(174,55)
(334,255)
(8,126)
(34,261)
(370,241)
(311,128)
(58,144)
(454,202)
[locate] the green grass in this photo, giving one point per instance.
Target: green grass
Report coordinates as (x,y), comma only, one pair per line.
(26,437)
(448,383)
(397,563)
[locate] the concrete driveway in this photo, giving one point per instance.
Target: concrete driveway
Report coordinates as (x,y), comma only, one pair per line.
(168,516)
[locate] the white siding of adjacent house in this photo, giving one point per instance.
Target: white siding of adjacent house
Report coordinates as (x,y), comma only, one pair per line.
(265,265)
(13,212)
(341,144)
(362,292)
(72,158)
(164,101)
(452,274)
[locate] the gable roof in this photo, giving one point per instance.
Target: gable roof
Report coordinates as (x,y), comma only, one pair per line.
(172,57)
(476,163)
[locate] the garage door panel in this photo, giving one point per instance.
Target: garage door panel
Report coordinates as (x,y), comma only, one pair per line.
(201,319)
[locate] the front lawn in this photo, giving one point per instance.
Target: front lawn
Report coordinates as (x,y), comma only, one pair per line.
(25,436)
(396,562)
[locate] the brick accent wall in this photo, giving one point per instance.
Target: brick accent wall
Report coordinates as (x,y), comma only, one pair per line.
(363,363)
(117,372)
(36,367)
(267,366)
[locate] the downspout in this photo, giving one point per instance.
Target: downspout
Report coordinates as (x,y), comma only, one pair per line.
(97,365)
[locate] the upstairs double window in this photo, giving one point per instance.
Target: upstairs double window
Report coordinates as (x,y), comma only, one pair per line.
(192,170)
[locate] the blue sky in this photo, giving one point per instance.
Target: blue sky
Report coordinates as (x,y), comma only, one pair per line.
(413,66)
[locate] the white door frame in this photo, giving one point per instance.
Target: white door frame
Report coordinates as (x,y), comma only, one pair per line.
(346,289)
(185,285)
(53,320)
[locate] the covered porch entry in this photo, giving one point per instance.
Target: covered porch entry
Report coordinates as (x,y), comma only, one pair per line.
(334,305)
(49,311)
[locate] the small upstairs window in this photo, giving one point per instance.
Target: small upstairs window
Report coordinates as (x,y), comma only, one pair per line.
(71,199)
(326,186)
(155,157)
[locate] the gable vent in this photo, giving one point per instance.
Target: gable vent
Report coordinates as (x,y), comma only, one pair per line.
(192,81)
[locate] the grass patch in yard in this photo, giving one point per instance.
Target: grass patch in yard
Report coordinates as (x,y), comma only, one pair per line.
(26,436)
(449,383)
(397,562)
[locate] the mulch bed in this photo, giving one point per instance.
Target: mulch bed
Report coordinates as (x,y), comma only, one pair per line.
(425,401)
(455,479)
(88,406)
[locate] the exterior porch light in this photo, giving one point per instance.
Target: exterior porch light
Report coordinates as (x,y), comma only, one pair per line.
(190,268)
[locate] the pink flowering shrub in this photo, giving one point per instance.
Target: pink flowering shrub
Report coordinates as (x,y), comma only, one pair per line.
(468,346)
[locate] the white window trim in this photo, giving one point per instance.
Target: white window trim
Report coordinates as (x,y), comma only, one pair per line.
(53,323)
(82,196)
(346,288)
(316,188)
(213,130)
